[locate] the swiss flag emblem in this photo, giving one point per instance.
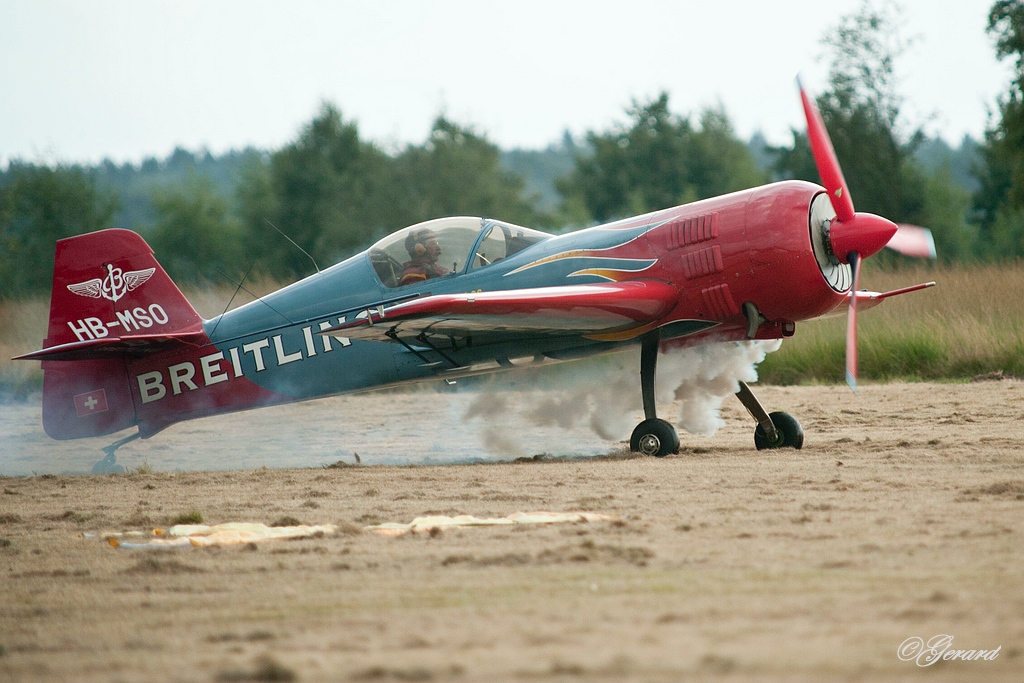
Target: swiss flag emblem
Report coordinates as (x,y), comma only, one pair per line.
(91,402)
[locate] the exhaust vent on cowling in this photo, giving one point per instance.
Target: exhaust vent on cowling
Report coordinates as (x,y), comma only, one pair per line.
(683,232)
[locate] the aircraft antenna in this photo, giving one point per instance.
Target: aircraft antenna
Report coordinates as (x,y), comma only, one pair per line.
(232,299)
(250,293)
(294,243)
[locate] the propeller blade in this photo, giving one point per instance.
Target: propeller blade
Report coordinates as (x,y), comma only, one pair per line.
(851,325)
(913,240)
(850,233)
(825,159)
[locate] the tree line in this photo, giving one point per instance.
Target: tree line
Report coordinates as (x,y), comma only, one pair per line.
(333,192)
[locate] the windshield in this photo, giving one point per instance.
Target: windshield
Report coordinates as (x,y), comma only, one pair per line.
(502,240)
(445,247)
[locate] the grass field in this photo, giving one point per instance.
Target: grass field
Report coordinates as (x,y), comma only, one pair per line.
(971,324)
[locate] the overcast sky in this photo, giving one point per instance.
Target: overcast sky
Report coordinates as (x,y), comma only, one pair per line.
(80,81)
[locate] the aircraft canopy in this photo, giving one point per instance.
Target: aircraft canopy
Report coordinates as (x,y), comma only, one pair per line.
(462,243)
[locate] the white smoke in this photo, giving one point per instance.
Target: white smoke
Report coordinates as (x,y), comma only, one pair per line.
(603,394)
(701,378)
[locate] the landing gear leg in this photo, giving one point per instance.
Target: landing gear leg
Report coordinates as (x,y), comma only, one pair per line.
(652,436)
(775,430)
(108,465)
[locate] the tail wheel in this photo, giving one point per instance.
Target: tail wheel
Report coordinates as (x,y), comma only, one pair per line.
(790,433)
(654,437)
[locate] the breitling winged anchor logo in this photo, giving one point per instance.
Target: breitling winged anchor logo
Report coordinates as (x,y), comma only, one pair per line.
(115,285)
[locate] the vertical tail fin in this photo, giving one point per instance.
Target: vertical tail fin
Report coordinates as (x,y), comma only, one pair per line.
(110,299)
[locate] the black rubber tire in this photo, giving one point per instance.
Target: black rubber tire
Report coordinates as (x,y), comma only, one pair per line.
(791,434)
(654,437)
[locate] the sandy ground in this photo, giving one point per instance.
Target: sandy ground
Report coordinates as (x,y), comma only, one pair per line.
(903,516)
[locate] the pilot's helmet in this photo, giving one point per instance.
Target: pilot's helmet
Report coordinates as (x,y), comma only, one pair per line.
(416,241)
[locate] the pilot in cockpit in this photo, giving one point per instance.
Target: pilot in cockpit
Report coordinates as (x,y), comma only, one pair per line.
(424,251)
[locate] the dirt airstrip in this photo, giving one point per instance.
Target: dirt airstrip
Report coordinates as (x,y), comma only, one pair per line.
(902,517)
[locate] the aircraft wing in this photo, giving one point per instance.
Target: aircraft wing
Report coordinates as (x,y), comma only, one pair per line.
(556,311)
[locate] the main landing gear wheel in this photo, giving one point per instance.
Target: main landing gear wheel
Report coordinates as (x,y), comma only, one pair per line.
(789,433)
(654,437)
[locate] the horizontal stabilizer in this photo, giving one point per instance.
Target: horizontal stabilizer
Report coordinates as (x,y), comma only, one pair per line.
(111,347)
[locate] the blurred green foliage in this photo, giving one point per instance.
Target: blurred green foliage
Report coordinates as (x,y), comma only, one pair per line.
(328,191)
(38,206)
(195,235)
(659,160)
(1000,200)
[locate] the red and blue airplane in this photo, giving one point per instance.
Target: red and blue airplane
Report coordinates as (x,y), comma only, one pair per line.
(459,296)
